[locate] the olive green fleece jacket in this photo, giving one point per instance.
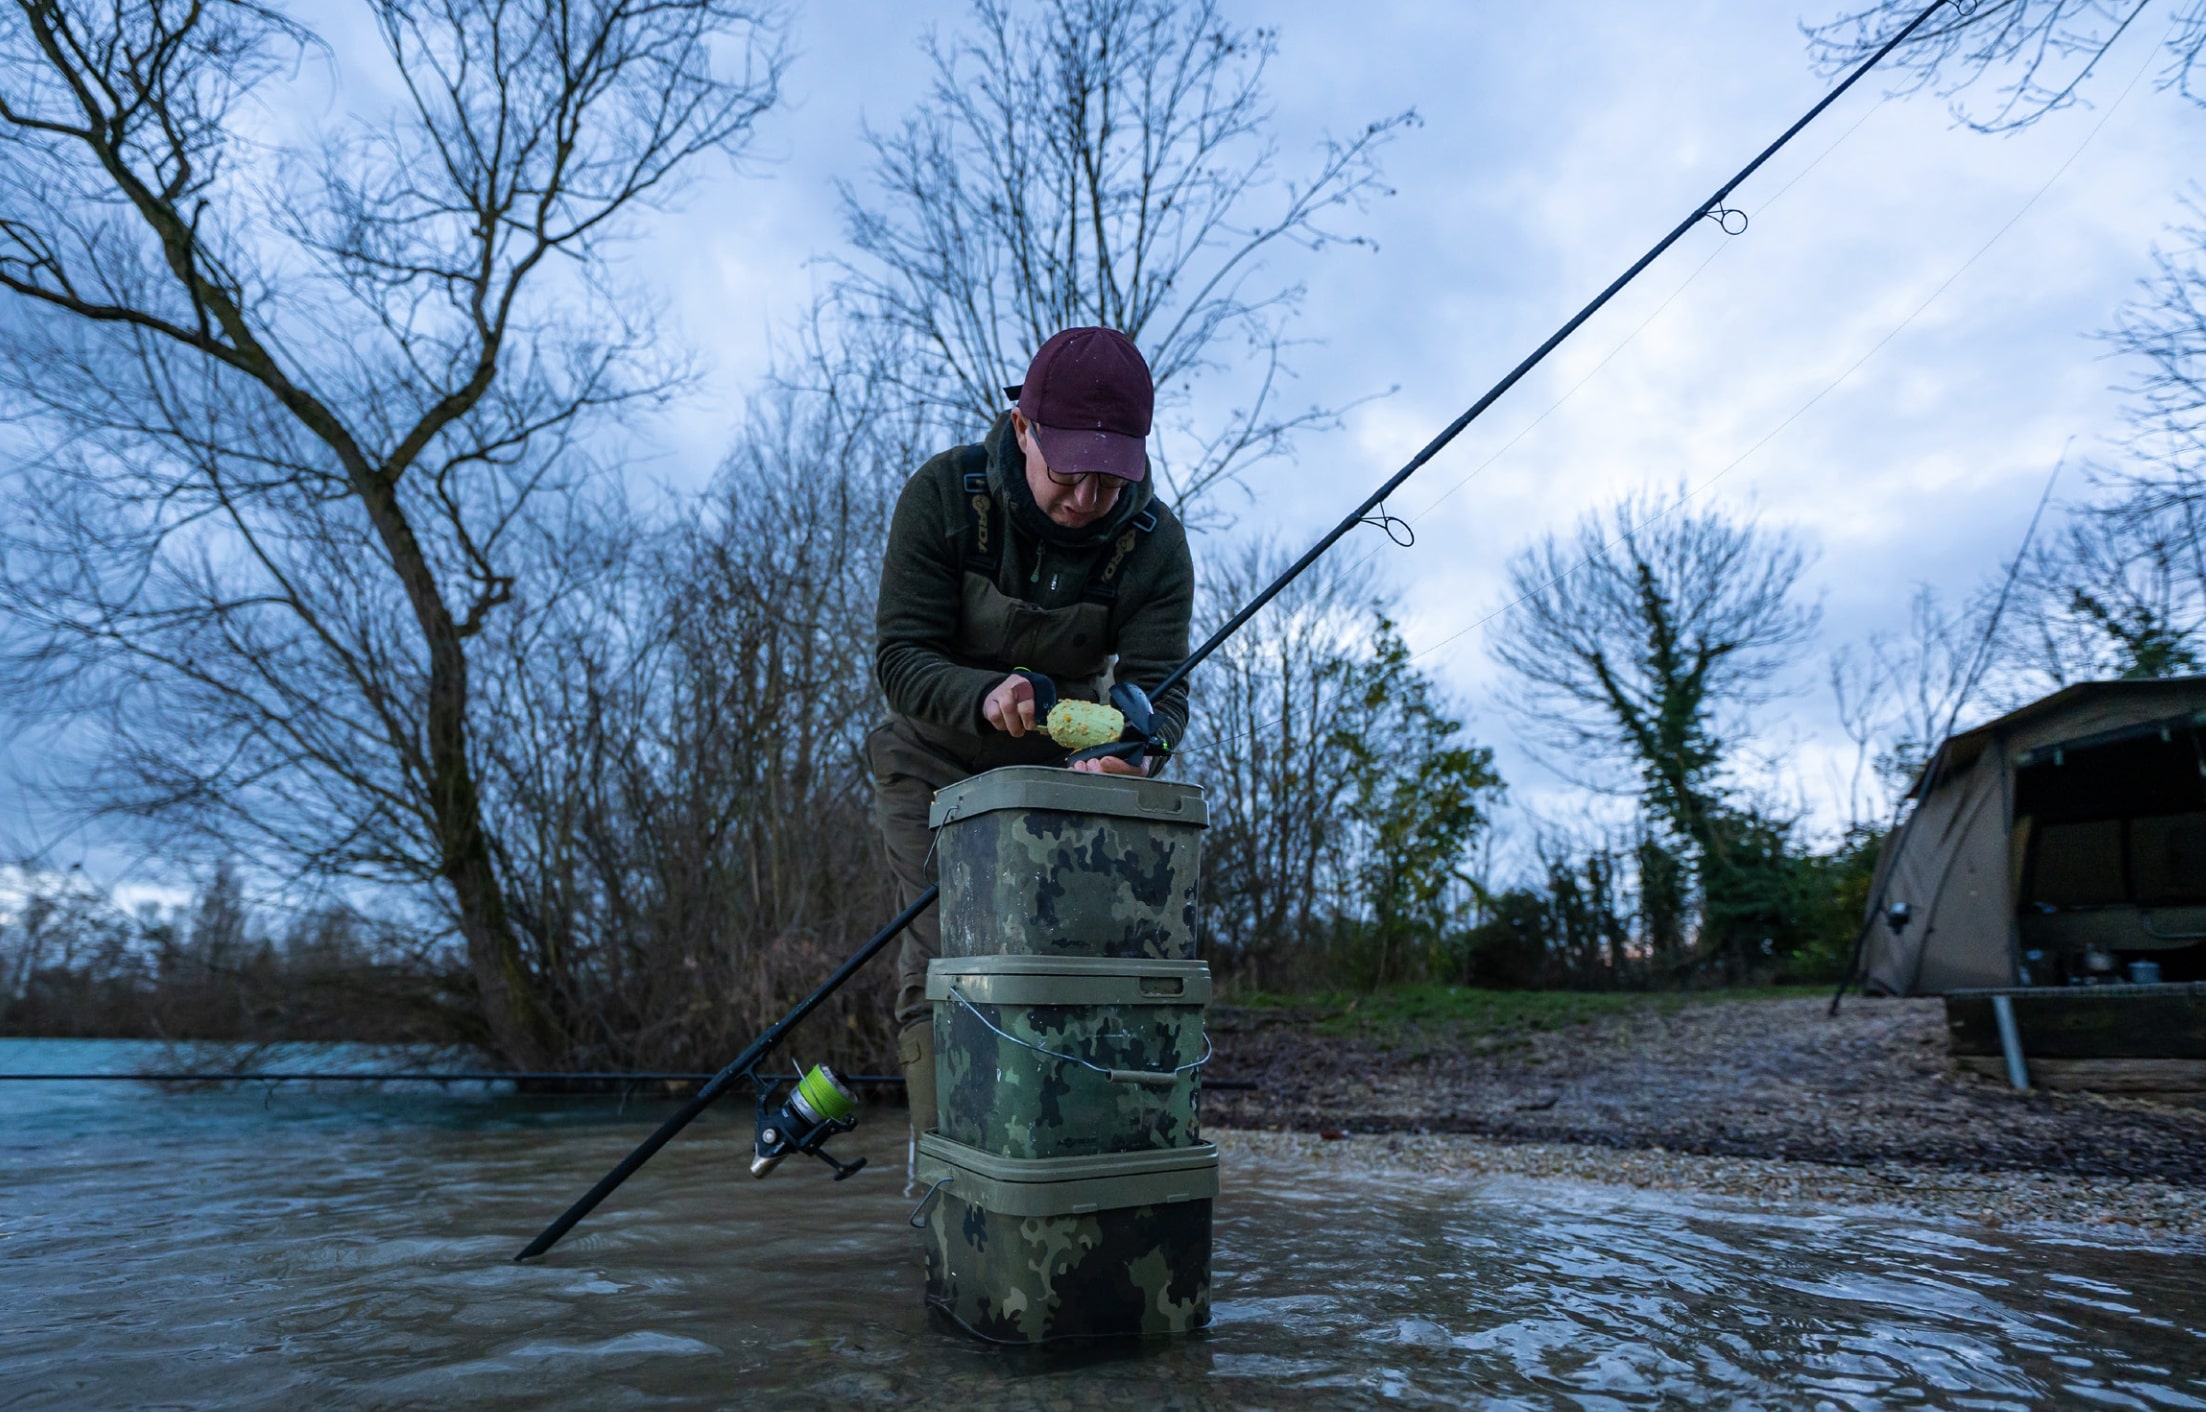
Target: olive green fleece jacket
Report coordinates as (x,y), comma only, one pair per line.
(922,572)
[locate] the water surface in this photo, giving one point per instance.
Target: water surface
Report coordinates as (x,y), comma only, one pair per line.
(340,1248)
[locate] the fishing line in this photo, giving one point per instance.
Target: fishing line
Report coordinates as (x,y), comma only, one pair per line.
(1876,348)
(1657,313)
(1713,205)
(1407,537)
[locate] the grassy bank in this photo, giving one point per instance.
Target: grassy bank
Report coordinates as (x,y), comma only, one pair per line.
(1461,1014)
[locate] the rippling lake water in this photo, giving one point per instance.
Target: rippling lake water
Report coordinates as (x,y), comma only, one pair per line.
(341,1248)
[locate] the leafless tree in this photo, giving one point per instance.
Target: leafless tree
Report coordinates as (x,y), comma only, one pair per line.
(2121,590)
(1639,640)
(1899,697)
(1103,162)
(680,751)
(1347,808)
(308,412)
(2035,55)
(1259,745)
(2116,594)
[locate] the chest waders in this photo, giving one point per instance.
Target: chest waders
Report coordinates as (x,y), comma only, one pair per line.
(1064,650)
(997,627)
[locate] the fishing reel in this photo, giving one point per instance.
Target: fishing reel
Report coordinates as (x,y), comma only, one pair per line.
(1125,728)
(815,1108)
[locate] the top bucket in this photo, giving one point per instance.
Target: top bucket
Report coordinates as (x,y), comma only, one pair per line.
(1040,861)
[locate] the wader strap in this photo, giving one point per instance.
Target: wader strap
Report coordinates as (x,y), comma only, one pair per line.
(983,525)
(984,532)
(1103,583)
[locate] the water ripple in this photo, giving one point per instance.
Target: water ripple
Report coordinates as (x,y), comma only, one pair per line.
(353,1250)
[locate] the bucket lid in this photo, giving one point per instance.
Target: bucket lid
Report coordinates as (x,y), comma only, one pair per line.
(1070,792)
(1069,1186)
(1069,980)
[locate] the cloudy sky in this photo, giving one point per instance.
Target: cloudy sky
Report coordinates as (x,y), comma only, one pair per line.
(1852,367)
(1858,366)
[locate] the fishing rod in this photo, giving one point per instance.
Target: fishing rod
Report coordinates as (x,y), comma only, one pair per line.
(1127,726)
(744,1066)
(460,1077)
(1711,209)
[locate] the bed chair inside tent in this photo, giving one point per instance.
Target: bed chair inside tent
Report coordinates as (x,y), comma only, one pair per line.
(2057,857)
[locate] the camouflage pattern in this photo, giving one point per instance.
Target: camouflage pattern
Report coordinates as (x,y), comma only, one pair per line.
(1107,1274)
(1043,1273)
(1057,881)
(1077,1206)
(1004,1098)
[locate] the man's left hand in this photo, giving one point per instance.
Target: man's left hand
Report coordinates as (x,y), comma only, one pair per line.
(1108,765)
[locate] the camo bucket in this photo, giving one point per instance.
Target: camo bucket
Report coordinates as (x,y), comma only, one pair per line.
(1053,1056)
(1068,1247)
(1036,860)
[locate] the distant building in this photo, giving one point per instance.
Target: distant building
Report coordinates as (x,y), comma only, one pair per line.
(2063,843)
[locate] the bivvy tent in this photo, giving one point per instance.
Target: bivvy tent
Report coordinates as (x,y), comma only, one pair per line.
(2060,843)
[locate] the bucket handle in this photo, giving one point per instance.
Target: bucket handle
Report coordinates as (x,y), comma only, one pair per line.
(919,1212)
(1155,1078)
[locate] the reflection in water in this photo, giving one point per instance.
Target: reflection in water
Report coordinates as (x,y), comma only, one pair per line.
(333,1247)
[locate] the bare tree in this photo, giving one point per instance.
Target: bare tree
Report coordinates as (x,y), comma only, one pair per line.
(1639,643)
(2122,590)
(2117,594)
(1346,806)
(672,749)
(1259,745)
(1102,162)
(1640,639)
(298,404)
(1897,700)
(2035,55)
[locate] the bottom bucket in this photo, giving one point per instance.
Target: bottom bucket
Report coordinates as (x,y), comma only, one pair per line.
(1036,1250)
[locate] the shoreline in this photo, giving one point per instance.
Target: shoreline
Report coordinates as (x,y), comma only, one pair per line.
(1759,1098)
(2099,1205)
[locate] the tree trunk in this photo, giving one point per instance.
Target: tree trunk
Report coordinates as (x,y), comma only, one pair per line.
(521,1025)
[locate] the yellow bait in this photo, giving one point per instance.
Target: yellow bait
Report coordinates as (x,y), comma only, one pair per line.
(1076,725)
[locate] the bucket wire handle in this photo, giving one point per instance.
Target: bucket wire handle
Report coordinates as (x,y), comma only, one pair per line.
(919,1212)
(1158,1078)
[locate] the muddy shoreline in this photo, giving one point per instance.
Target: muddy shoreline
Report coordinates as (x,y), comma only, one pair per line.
(1765,1097)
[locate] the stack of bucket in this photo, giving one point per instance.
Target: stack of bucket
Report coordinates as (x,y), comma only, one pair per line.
(1069,1188)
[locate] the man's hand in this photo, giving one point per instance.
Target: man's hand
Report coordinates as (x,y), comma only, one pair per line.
(1108,765)
(1010,706)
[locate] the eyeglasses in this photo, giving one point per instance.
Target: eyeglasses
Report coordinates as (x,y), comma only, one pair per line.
(1105,483)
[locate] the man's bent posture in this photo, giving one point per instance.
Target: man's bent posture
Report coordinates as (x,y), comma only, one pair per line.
(1042,548)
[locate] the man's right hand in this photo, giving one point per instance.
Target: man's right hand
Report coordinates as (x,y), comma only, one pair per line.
(1010,706)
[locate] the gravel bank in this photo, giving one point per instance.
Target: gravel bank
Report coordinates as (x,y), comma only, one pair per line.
(2149,1208)
(1736,1097)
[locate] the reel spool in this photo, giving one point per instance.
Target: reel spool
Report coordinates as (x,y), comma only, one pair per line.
(816,1108)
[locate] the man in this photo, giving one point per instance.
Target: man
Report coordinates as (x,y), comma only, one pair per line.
(1042,548)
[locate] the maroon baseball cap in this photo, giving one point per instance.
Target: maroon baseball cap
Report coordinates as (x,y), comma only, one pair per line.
(1089,395)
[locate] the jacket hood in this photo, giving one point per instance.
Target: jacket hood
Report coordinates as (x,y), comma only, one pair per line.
(1007,477)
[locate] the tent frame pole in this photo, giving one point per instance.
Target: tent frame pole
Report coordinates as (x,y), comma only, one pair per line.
(2010,1042)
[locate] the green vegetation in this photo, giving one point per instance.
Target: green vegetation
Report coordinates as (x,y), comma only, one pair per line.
(1462,1014)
